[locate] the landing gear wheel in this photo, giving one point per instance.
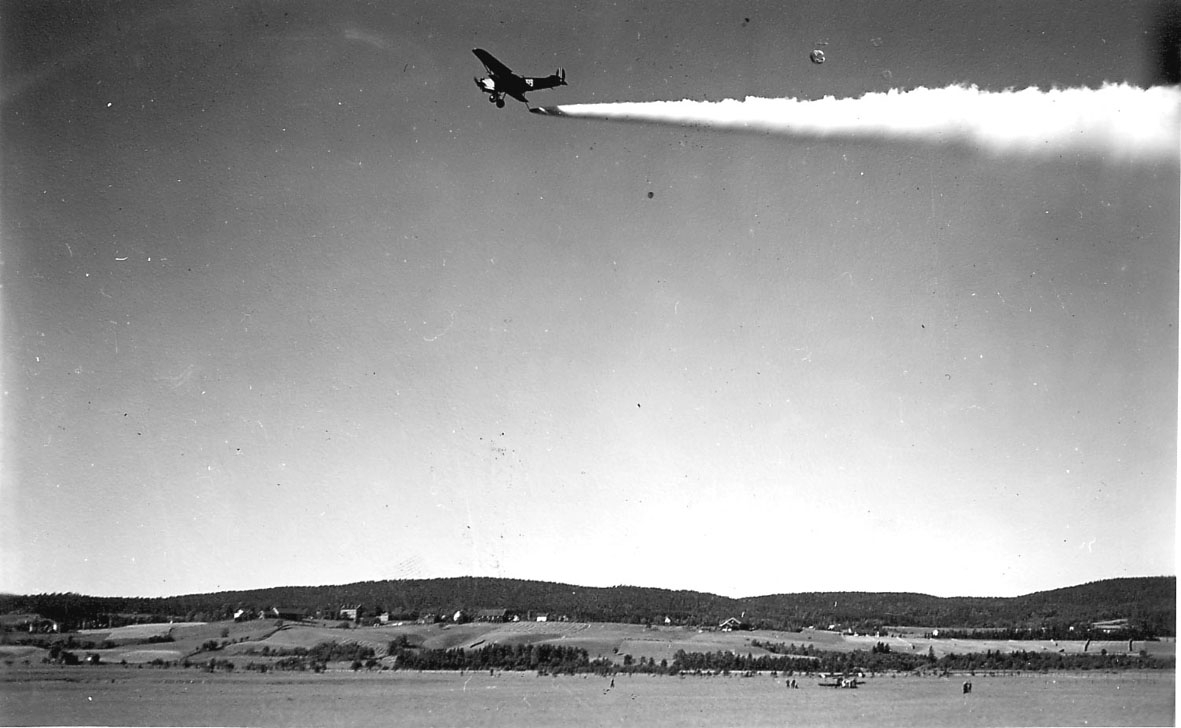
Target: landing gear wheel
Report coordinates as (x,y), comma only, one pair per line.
(500,103)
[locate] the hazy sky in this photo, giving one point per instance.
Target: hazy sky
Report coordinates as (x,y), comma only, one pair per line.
(287,301)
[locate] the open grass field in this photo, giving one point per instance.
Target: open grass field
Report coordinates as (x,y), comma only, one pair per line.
(114,695)
(139,632)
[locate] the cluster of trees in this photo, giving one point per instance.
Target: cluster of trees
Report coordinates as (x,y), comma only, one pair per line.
(317,658)
(297,658)
(726,662)
(791,658)
(49,640)
(1053,629)
(880,662)
(780,648)
(544,658)
(340,652)
(298,663)
(558,660)
(59,655)
(1149,603)
(995,660)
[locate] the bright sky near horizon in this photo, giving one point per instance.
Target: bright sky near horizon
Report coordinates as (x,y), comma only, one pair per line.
(286,301)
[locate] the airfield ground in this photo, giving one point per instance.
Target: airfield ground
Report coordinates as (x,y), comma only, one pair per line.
(126,695)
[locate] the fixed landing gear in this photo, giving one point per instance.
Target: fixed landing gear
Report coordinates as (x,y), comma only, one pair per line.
(498,100)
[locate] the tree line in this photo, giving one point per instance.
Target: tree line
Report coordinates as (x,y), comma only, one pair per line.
(1148,603)
(544,658)
(561,659)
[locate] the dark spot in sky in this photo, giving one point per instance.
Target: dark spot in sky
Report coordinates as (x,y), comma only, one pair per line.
(651,194)
(637,404)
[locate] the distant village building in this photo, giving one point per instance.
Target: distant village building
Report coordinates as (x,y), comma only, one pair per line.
(352,613)
(542,618)
(730,624)
(492,615)
(294,614)
(28,622)
(1110,626)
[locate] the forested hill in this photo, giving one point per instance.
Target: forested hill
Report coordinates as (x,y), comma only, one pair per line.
(1148,603)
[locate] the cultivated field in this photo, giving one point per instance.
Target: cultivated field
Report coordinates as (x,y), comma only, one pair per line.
(124,695)
(243,642)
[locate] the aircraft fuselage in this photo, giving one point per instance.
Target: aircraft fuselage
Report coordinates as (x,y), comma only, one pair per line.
(501,81)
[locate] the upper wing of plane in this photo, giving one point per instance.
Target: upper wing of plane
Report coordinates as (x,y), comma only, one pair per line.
(495,67)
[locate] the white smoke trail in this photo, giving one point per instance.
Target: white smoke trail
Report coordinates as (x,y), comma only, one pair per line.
(1117,121)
